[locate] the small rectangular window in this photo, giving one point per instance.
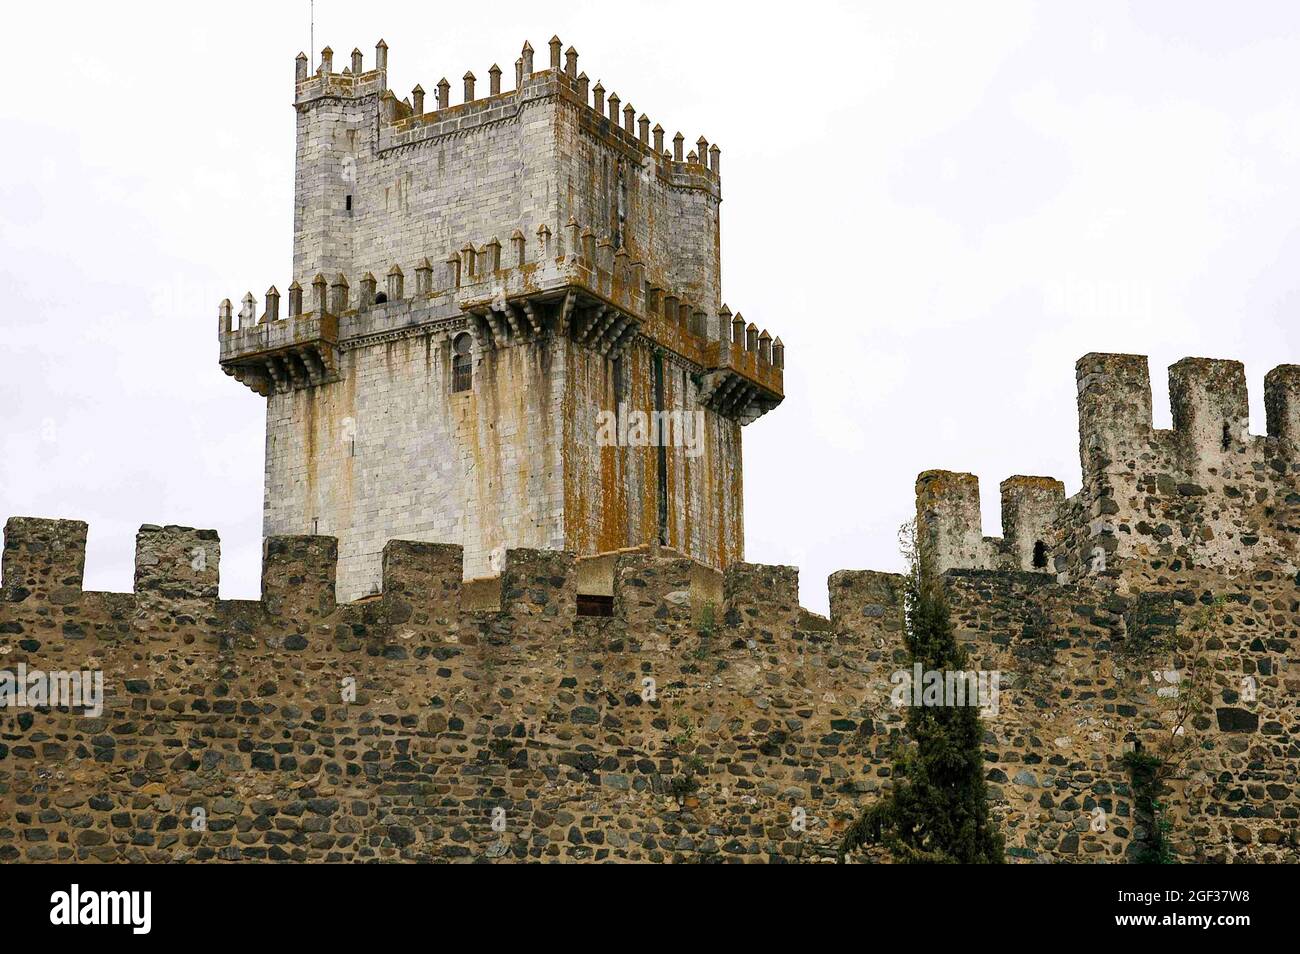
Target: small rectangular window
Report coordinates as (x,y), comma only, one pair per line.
(593,605)
(349,203)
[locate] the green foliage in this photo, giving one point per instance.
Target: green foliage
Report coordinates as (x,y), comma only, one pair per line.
(1145,772)
(683,785)
(686,781)
(684,740)
(706,625)
(1149,770)
(938,810)
(706,622)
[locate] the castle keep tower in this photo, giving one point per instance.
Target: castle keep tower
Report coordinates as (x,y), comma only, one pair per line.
(483,294)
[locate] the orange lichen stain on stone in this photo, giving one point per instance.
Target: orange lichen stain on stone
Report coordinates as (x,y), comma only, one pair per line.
(611,494)
(1036,483)
(719,473)
(580,457)
(572,460)
(675,499)
(677,472)
(643,486)
(584,480)
(736,494)
(943,482)
(517,387)
(600,496)
(611,488)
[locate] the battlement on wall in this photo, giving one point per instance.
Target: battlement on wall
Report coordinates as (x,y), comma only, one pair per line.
(569,285)
(1210,408)
(177,572)
(1206,490)
(604,114)
(949,519)
(491,702)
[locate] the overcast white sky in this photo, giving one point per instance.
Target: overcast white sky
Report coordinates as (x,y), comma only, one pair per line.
(937,207)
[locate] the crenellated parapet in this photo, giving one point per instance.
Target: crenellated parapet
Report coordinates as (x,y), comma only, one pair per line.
(407,726)
(377,175)
(353,81)
(1206,491)
(746,369)
(573,285)
(274,354)
(177,574)
(642,598)
(949,522)
(418,118)
(659,694)
(1210,408)
(43,559)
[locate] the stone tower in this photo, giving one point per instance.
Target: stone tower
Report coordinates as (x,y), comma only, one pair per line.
(505,327)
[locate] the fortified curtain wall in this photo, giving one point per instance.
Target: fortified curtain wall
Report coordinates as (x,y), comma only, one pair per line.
(687,726)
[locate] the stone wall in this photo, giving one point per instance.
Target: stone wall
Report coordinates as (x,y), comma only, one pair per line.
(1180,549)
(698,722)
(393,727)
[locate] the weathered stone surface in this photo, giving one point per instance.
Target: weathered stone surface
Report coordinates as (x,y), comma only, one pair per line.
(426,717)
(604,300)
(1179,547)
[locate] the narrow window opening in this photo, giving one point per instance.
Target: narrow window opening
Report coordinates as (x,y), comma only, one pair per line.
(1040,555)
(1227,436)
(462,363)
(595,605)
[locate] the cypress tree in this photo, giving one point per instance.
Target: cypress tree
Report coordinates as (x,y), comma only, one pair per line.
(937,812)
